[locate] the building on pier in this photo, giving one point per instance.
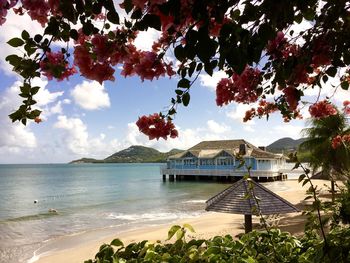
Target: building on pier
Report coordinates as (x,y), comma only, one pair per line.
(221,160)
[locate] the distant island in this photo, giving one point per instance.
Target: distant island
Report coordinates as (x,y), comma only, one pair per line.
(133,154)
(142,154)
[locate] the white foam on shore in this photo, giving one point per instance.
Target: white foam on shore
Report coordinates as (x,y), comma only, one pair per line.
(151,216)
(195,202)
(36,257)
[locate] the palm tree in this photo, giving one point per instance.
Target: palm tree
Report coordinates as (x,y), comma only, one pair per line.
(333,163)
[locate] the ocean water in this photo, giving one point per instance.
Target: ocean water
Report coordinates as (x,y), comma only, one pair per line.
(87,197)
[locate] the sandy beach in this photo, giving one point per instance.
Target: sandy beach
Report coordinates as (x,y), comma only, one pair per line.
(84,246)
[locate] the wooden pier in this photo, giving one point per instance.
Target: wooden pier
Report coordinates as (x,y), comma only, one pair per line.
(219,175)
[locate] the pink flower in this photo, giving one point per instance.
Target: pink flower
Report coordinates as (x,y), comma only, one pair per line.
(291,95)
(240,88)
(336,142)
(322,109)
(155,127)
(56,66)
(4,6)
(346,105)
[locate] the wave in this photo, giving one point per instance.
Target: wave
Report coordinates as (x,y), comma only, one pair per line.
(30,217)
(195,201)
(151,216)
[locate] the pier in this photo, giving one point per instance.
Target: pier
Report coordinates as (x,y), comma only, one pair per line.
(219,175)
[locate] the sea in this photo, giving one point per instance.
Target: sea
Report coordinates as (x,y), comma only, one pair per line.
(89,198)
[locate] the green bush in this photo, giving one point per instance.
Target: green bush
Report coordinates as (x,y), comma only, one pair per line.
(266,246)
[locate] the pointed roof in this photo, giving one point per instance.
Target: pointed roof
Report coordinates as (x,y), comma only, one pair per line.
(209,149)
(237,199)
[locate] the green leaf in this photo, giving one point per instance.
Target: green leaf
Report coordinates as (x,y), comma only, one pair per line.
(14,60)
(189,227)
(179,52)
(186,99)
(25,35)
(179,92)
(208,67)
(301,177)
(117,243)
(152,21)
(345,85)
(15,42)
(25,89)
(74,34)
(183,83)
(306,181)
(113,17)
(173,230)
(180,234)
(331,71)
(128,5)
(38,38)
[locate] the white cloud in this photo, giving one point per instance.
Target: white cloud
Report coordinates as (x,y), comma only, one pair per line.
(13,136)
(90,95)
(211,81)
(145,39)
(75,138)
(44,96)
(287,130)
(13,28)
(248,128)
(215,127)
(66,101)
(237,112)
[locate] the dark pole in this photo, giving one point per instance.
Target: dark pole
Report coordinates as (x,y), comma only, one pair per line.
(248,225)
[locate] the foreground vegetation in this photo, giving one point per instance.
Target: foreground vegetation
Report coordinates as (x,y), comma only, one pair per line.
(267,246)
(326,239)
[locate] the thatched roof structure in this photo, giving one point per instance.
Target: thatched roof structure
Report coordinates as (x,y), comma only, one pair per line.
(238,199)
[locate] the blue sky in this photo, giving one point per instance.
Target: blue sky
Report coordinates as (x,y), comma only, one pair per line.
(84,119)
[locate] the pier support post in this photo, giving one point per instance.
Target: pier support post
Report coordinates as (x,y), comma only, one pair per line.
(164,177)
(177,177)
(197,177)
(171,178)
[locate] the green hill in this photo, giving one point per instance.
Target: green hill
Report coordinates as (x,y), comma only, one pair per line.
(133,154)
(285,145)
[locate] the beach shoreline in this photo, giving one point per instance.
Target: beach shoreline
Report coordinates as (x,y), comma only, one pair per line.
(78,248)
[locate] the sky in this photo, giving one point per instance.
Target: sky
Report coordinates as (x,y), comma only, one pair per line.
(82,118)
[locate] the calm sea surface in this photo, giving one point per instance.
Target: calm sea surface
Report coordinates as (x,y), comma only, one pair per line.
(88,197)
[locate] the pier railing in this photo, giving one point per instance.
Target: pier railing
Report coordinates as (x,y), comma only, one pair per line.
(217,172)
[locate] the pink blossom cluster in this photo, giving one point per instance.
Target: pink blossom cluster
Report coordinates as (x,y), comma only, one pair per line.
(39,10)
(155,127)
(56,66)
(4,7)
(346,105)
(340,140)
(322,109)
(147,65)
(240,88)
(264,108)
(291,96)
(96,61)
